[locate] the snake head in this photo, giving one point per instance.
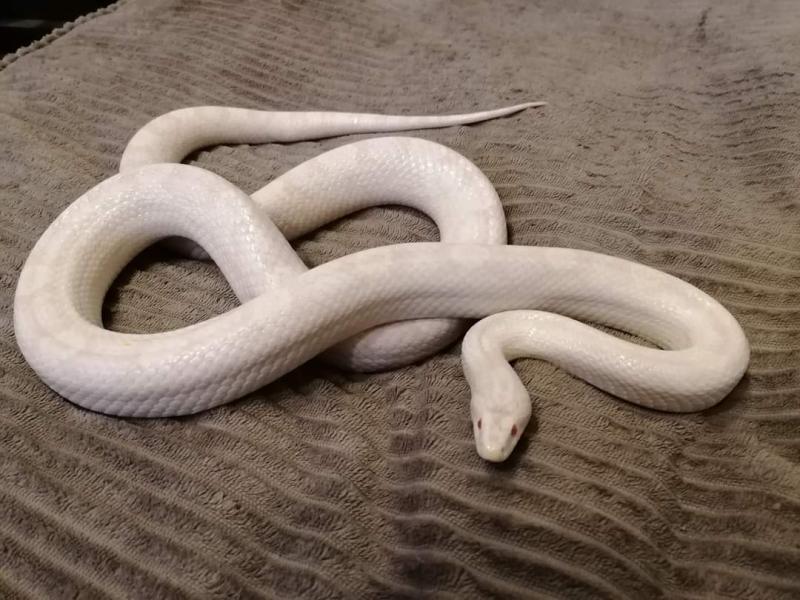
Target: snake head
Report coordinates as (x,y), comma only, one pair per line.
(497,431)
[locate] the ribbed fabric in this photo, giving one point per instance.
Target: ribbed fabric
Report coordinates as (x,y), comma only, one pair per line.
(672,138)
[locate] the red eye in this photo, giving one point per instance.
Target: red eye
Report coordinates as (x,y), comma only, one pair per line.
(479,423)
(514,430)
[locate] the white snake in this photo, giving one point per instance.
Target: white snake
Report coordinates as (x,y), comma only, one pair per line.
(418,293)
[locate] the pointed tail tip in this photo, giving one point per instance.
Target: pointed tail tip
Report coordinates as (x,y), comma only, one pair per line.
(510,110)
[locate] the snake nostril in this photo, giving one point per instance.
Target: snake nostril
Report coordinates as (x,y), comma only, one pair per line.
(514,429)
(479,423)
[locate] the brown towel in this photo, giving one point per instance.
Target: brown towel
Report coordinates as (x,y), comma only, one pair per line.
(672,138)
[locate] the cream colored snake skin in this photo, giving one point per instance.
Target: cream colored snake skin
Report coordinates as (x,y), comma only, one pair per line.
(370,310)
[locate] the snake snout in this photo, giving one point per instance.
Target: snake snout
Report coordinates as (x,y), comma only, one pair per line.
(496,436)
(492,453)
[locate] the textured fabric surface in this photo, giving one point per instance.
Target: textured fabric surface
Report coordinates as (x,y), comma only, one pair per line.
(671,139)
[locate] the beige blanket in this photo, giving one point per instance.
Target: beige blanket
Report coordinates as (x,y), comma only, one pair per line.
(672,138)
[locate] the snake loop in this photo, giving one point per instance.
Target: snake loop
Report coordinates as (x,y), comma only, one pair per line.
(370,310)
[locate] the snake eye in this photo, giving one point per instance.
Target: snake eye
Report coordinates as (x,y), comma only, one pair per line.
(514,430)
(479,423)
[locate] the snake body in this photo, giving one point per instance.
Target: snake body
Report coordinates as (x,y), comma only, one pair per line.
(370,310)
